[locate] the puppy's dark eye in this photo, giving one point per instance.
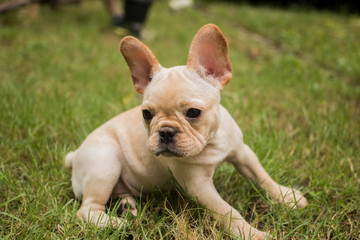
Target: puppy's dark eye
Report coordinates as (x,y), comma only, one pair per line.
(193,113)
(147,115)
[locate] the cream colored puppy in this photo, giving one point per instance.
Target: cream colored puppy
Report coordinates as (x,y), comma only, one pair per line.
(179,131)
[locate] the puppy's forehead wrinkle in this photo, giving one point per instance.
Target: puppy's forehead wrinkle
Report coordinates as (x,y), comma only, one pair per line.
(179,89)
(180,77)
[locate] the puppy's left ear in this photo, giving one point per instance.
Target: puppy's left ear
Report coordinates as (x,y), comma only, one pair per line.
(141,61)
(209,56)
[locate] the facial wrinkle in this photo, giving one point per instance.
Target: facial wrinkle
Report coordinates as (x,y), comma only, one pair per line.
(190,131)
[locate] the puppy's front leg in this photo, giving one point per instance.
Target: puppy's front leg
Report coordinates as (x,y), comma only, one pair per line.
(196,180)
(248,164)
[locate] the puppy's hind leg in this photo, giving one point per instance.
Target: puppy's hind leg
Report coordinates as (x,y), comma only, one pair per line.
(248,164)
(128,204)
(100,170)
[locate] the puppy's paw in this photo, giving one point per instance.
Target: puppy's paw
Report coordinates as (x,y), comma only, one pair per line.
(118,223)
(291,197)
(128,204)
(259,235)
(243,230)
(100,218)
(255,234)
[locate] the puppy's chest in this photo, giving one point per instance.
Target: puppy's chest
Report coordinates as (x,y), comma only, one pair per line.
(145,172)
(158,172)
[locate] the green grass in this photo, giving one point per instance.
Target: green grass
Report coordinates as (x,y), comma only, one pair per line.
(295,93)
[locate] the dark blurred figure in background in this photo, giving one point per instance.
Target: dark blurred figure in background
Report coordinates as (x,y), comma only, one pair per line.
(133,17)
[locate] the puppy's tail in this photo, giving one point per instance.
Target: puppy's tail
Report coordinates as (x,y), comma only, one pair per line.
(69,159)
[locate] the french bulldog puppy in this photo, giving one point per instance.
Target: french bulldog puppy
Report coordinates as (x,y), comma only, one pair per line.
(179,131)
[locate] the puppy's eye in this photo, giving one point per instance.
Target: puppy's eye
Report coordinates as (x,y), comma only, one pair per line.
(193,113)
(147,115)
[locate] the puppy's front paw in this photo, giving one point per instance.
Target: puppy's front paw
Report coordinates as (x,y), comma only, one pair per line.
(259,235)
(254,234)
(243,230)
(291,197)
(100,218)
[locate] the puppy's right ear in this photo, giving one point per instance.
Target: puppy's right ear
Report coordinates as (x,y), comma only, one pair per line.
(141,61)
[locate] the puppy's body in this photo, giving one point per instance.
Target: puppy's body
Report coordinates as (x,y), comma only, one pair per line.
(180,130)
(125,135)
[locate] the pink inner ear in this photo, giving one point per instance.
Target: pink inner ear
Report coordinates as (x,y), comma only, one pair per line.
(141,70)
(212,60)
(212,71)
(212,67)
(209,71)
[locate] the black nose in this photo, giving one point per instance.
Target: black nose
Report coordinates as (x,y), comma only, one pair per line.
(167,134)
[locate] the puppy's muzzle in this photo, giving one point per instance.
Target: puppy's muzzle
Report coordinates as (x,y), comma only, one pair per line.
(167,135)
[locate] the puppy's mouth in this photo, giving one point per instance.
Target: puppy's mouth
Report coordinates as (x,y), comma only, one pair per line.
(168,150)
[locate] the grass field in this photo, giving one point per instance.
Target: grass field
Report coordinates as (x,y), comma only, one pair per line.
(295,93)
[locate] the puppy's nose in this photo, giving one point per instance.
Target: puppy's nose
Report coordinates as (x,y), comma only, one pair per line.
(167,134)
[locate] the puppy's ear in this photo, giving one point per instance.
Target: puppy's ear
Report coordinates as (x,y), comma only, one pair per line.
(209,56)
(141,61)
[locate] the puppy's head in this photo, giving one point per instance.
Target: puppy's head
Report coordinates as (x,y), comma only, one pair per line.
(181,104)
